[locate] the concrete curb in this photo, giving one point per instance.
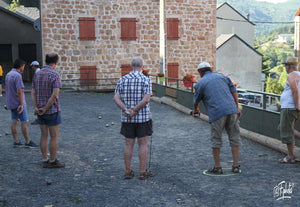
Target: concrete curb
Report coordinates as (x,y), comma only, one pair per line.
(259,138)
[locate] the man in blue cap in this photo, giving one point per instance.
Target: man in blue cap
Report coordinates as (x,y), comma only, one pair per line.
(220,98)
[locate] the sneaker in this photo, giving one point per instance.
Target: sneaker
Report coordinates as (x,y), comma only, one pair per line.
(55,164)
(129,175)
(45,164)
(31,144)
(18,144)
(145,175)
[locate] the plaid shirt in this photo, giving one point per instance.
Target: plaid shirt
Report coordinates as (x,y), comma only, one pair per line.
(215,90)
(132,88)
(43,82)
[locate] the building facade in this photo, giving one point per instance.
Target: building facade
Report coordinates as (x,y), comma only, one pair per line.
(230,21)
(96,39)
(19,39)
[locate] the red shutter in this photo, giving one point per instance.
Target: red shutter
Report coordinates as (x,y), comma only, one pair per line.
(86,28)
(172,71)
(172,28)
(128,29)
(125,69)
(88,75)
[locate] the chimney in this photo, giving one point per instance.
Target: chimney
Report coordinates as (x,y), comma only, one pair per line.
(248,16)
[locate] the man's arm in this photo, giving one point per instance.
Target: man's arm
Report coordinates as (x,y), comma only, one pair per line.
(293,80)
(236,100)
(146,99)
(20,97)
(119,102)
(33,100)
(50,102)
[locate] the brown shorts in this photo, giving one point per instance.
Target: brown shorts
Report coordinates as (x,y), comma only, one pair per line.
(139,130)
(288,118)
(231,124)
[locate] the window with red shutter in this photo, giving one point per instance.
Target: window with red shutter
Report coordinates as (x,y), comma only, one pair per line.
(172,28)
(172,71)
(128,29)
(86,28)
(125,69)
(88,75)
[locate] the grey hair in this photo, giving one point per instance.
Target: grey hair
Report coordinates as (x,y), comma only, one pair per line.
(136,62)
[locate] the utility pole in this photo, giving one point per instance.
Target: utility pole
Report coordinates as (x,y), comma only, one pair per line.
(162,34)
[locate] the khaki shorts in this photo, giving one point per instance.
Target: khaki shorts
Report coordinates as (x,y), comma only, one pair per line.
(288,117)
(231,124)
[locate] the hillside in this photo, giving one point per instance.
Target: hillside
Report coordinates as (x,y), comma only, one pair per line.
(266,12)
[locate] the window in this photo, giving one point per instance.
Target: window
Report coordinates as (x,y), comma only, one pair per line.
(128,29)
(172,28)
(125,69)
(88,75)
(6,53)
(86,28)
(172,71)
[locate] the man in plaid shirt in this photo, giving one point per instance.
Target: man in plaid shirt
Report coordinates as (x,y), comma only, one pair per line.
(44,94)
(132,95)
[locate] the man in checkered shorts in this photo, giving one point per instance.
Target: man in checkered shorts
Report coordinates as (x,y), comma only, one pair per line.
(132,95)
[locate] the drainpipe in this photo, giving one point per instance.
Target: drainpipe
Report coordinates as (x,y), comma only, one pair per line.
(162,42)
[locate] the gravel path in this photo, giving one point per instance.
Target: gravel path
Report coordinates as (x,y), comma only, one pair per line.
(94,170)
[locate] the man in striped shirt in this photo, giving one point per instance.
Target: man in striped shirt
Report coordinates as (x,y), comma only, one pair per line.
(44,94)
(132,95)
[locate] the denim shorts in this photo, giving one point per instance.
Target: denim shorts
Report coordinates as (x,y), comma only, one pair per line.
(1,80)
(50,119)
(139,130)
(15,116)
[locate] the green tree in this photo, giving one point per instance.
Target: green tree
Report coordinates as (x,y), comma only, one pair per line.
(276,85)
(14,4)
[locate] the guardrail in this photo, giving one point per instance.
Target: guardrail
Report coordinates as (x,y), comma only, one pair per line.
(106,81)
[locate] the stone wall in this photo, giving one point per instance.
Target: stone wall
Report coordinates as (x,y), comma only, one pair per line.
(60,31)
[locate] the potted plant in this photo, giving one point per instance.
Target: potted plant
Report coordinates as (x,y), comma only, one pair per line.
(146,73)
(161,77)
(188,80)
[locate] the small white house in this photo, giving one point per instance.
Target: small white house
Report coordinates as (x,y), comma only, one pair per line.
(284,38)
(241,62)
(230,21)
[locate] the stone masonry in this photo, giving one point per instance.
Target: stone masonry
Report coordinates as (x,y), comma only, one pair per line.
(60,33)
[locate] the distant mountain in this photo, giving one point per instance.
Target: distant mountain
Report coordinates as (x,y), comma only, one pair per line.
(266,12)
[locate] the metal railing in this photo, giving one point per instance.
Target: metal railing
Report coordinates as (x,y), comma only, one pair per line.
(108,80)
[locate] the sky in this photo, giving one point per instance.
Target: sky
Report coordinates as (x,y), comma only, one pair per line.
(273,1)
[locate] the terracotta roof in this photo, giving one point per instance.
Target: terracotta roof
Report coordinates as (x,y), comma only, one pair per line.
(297,13)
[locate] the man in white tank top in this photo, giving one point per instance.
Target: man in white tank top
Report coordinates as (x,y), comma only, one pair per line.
(290,108)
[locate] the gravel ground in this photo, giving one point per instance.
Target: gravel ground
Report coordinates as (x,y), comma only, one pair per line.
(94,170)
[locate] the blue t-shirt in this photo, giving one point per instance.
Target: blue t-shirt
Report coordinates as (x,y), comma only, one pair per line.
(215,90)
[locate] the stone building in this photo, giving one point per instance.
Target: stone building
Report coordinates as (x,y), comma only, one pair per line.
(96,39)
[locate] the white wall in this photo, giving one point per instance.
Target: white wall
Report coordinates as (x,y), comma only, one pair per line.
(241,62)
(244,29)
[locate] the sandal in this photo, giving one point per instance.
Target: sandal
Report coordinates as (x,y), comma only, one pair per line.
(129,175)
(287,160)
(236,169)
(145,175)
(215,170)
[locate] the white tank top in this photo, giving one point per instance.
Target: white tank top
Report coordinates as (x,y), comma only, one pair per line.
(286,98)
